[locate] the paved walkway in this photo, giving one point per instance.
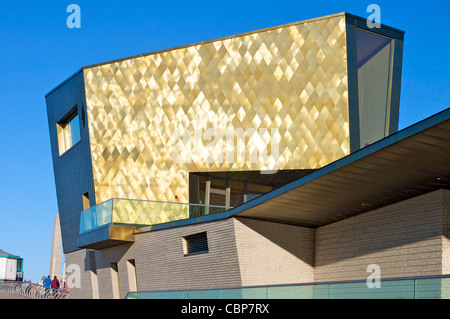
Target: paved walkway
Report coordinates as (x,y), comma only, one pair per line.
(10,296)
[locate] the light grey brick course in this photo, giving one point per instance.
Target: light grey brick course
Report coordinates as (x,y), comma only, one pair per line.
(409,238)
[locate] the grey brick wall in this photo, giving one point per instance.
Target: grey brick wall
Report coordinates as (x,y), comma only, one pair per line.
(273,253)
(404,239)
(107,280)
(241,252)
(410,238)
(446,231)
(161,263)
(87,278)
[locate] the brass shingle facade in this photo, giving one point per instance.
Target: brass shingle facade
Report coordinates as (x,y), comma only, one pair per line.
(291,78)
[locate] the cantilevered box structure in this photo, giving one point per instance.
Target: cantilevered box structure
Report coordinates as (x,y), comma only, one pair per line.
(306,94)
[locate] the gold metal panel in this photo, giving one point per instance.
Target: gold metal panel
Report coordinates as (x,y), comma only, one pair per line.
(121,233)
(110,236)
(292,79)
(147,212)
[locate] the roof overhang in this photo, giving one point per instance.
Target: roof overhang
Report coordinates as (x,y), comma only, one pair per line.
(4,254)
(411,162)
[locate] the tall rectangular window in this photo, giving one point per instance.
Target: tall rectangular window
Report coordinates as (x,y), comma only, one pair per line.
(68,130)
(374,54)
(86,203)
(115,280)
(93,272)
(132,278)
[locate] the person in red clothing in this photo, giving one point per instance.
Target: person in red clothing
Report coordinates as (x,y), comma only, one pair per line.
(55,283)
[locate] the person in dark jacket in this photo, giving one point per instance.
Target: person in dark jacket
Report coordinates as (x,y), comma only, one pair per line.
(55,283)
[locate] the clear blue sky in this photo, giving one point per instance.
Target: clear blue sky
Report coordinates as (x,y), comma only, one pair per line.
(38,51)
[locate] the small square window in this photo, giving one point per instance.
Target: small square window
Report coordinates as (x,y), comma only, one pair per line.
(68,130)
(195,244)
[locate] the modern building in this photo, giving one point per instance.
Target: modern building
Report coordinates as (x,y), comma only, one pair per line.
(11,267)
(265,158)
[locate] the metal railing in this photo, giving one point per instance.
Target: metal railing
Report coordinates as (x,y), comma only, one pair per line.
(31,291)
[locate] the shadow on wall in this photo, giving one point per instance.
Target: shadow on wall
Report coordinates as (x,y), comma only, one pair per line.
(274,253)
(401,238)
(387,235)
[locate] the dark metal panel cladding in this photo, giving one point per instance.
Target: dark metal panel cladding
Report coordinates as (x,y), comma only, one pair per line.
(73,169)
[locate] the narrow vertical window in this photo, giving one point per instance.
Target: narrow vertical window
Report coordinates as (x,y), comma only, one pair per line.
(374,55)
(132,278)
(86,204)
(93,273)
(68,130)
(115,280)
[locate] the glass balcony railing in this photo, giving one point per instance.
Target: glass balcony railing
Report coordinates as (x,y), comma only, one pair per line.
(431,287)
(141,213)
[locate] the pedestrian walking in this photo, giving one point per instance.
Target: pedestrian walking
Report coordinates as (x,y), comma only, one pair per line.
(55,283)
(47,282)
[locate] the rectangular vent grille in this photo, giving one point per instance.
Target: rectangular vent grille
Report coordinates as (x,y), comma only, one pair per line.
(196,243)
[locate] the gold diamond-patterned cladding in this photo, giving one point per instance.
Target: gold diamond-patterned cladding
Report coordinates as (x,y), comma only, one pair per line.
(291,78)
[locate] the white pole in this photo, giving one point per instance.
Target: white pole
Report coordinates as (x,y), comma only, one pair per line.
(53,268)
(64,274)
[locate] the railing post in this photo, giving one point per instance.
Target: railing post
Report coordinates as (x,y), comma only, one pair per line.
(207,194)
(415,288)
